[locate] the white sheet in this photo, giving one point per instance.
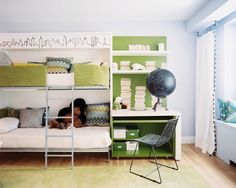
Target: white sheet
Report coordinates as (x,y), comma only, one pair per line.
(86,137)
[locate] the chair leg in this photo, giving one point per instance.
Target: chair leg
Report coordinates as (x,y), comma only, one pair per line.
(176,165)
(130,168)
(131,165)
(155,157)
(150,153)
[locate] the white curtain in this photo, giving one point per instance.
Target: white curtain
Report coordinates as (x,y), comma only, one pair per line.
(204,127)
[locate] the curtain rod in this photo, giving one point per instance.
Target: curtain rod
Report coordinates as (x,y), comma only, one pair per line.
(210,28)
(222,21)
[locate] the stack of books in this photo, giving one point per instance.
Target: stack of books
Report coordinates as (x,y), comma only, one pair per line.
(125,91)
(139,98)
(125,65)
(150,65)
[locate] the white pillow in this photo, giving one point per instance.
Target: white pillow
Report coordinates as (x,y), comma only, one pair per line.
(8,124)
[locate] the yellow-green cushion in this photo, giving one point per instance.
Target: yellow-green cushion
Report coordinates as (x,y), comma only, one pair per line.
(23,76)
(91,75)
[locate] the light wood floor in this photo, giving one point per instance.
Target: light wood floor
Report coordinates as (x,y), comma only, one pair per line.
(213,170)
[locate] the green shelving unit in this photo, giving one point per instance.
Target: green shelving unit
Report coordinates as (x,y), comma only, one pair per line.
(142,120)
(143,152)
(122,53)
(145,125)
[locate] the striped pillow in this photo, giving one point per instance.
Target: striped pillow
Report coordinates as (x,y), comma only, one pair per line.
(98,114)
(60,62)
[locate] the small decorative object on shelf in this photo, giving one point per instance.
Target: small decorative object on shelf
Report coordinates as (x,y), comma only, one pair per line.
(161,47)
(160,83)
(117,103)
(137,66)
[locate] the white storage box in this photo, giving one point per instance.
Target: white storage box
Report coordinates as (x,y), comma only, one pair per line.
(130,145)
(124,63)
(119,132)
(60,79)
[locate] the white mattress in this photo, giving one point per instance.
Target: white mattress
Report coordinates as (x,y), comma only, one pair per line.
(86,137)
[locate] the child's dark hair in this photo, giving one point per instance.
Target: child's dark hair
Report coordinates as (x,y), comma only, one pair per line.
(81,103)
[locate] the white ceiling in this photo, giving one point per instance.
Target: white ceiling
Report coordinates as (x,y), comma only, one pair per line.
(141,10)
(98,10)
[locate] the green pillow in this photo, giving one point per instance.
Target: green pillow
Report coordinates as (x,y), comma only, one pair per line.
(231,118)
(223,109)
(3,112)
(232,106)
(11,112)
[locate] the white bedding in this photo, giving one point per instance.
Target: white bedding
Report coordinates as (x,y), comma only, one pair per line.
(86,137)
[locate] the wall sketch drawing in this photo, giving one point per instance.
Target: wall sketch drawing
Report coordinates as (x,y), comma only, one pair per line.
(53,40)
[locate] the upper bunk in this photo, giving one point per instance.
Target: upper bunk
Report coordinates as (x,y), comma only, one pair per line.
(85,58)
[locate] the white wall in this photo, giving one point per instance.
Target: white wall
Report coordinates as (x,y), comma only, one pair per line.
(3,100)
(181,60)
(226,57)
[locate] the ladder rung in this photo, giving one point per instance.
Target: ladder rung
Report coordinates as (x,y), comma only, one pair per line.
(59,155)
(71,87)
(58,117)
(59,98)
(59,135)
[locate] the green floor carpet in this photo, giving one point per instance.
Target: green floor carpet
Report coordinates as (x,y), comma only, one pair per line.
(96,177)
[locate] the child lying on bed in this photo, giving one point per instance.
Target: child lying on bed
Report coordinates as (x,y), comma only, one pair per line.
(79,116)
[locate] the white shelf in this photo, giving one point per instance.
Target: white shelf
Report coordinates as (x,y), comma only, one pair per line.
(91,87)
(22,88)
(131,72)
(58,87)
(139,53)
(148,112)
(79,87)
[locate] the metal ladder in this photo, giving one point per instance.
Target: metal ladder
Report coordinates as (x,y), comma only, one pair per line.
(47,136)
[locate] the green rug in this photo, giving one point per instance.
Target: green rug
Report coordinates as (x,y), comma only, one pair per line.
(97,177)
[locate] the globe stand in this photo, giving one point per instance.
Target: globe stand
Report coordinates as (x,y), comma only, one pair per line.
(157,104)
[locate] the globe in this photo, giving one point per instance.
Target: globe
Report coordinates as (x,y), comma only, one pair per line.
(160,83)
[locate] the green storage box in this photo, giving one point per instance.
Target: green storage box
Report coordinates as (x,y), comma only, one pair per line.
(24,76)
(91,75)
(132,133)
(119,146)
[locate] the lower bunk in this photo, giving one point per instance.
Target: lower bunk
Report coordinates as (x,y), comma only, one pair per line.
(86,139)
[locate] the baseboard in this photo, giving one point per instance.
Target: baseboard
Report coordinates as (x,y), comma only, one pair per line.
(188,139)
